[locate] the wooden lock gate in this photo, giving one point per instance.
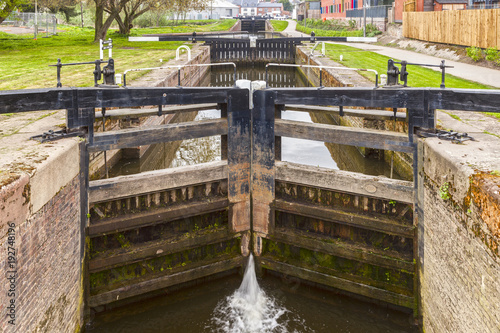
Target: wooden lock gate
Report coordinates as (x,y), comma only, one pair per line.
(351,231)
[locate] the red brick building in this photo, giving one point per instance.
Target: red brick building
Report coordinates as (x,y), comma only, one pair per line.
(270,8)
(336,8)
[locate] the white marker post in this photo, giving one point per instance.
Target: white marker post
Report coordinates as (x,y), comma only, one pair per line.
(105,45)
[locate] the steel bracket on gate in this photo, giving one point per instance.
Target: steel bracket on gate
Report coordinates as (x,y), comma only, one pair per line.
(394,74)
(107,73)
(56,135)
(452,136)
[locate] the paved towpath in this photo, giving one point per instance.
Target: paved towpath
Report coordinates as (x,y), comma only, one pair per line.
(474,73)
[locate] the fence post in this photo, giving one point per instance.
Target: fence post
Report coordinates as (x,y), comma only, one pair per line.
(263,155)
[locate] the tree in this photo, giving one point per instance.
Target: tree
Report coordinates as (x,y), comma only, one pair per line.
(286,5)
(181,7)
(67,7)
(113,9)
(7,6)
(132,10)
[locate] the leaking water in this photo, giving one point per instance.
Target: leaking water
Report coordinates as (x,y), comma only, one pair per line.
(250,310)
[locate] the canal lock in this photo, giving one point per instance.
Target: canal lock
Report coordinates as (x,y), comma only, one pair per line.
(142,245)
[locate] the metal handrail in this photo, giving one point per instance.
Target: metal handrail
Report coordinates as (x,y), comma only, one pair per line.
(316,45)
(321,71)
(179,67)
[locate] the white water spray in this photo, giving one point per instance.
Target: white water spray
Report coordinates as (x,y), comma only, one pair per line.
(249,309)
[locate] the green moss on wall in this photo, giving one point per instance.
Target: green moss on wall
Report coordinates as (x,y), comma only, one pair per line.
(109,279)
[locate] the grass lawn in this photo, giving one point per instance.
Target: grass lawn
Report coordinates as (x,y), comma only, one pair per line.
(24,62)
(329,33)
(279,25)
(418,76)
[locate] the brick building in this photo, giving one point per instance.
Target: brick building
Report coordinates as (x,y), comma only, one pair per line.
(334,9)
(270,8)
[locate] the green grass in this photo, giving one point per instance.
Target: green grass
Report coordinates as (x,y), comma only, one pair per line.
(453,116)
(486,132)
(279,25)
(24,62)
(496,115)
(418,77)
(330,33)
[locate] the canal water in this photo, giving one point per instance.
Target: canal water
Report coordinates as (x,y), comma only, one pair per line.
(272,304)
(268,304)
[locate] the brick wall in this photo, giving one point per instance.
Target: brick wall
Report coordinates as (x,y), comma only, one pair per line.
(460,272)
(47,243)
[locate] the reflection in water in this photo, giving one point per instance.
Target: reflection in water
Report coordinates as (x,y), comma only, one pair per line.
(201,150)
(301,151)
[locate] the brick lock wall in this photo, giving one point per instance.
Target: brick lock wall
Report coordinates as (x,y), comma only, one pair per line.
(14,209)
(460,277)
(48,260)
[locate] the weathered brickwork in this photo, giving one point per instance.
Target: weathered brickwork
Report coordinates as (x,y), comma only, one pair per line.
(47,286)
(460,276)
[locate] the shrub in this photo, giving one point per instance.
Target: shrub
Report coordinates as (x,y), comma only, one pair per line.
(492,54)
(475,53)
(336,25)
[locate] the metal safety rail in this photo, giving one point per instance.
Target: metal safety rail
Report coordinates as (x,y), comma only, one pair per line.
(321,71)
(179,67)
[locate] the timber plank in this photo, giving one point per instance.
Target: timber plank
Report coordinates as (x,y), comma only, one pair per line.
(367,113)
(154,181)
(155,216)
(154,249)
(134,137)
(90,97)
(165,281)
(345,181)
(349,218)
(342,249)
(339,283)
(344,96)
(134,113)
(369,138)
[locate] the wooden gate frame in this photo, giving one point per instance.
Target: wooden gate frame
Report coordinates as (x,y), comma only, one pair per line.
(254,131)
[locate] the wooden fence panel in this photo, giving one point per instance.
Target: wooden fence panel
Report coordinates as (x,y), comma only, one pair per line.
(497,17)
(460,27)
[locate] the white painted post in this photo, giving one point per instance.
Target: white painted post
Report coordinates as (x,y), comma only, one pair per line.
(383,79)
(36,19)
(101,51)
(253,41)
(246,84)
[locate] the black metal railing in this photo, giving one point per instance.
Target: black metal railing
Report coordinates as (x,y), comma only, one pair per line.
(376,11)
